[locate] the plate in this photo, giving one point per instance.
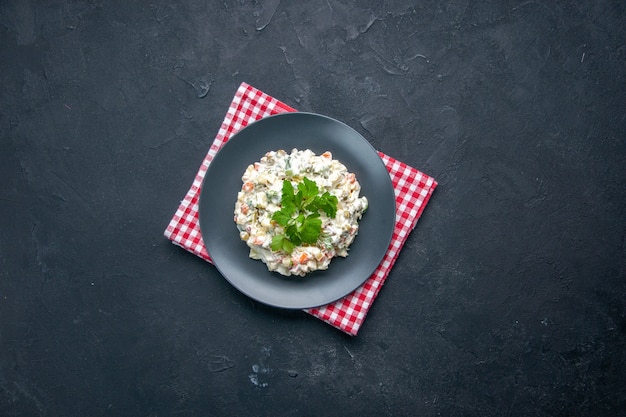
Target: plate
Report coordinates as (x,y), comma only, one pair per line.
(222,182)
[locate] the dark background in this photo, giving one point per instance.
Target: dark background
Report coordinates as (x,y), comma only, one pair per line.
(509,297)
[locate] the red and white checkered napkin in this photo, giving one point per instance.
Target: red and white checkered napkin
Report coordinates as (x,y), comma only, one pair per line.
(412,188)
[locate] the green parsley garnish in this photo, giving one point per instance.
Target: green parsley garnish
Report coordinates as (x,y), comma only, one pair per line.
(300,214)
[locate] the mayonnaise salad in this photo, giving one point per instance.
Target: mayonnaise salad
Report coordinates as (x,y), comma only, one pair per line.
(260,198)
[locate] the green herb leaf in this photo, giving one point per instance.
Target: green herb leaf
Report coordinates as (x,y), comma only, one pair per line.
(281,243)
(281,217)
(300,215)
(311,229)
(326,202)
(294,236)
(308,189)
(297,200)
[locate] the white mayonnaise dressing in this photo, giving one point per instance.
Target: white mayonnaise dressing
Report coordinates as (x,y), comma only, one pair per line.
(260,198)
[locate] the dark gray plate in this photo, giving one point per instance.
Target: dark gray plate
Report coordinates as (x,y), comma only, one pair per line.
(223,181)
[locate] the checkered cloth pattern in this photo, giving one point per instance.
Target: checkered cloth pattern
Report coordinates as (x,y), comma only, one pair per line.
(412,189)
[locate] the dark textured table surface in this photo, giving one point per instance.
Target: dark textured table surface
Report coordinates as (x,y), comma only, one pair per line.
(509,297)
